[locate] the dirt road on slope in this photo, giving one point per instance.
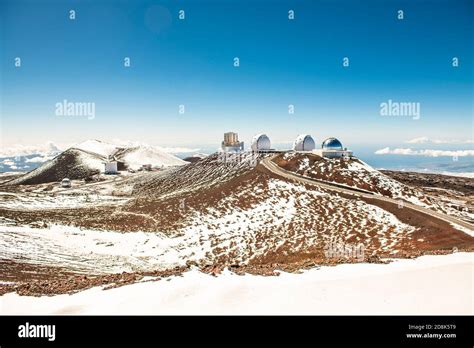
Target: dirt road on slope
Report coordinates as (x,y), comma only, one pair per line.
(274,168)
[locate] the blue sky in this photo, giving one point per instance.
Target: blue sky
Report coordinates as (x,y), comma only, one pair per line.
(190,62)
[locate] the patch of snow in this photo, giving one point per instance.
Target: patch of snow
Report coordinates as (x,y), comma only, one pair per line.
(349,289)
(90,251)
(96,146)
(463,229)
(304,163)
(136,157)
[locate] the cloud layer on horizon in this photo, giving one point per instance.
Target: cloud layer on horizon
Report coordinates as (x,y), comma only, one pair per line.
(426,140)
(425,153)
(26,150)
(49,150)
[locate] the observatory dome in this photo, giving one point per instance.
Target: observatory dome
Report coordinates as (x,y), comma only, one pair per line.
(332,144)
(304,142)
(260,142)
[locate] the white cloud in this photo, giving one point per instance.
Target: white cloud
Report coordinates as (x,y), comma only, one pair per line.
(426,140)
(8,162)
(27,150)
(47,151)
(39,159)
(426,153)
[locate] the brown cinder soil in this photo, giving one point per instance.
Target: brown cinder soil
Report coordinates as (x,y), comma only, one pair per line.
(446,182)
(207,191)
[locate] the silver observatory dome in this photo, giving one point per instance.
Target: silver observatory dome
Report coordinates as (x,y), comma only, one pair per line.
(260,142)
(304,142)
(332,144)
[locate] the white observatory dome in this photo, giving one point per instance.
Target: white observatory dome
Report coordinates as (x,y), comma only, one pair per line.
(260,142)
(304,142)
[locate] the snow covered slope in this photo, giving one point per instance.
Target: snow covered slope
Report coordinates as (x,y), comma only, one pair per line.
(208,172)
(135,157)
(218,212)
(99,147)
(400,287)
(87,158)
(353,172)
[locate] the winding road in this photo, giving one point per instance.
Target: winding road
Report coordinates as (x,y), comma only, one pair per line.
(277,170)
